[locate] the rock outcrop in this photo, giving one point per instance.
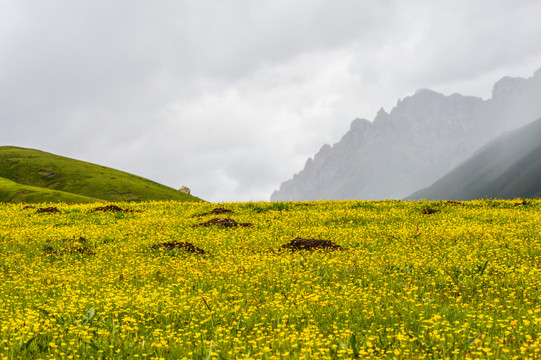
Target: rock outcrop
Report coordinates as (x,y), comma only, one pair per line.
(417,142)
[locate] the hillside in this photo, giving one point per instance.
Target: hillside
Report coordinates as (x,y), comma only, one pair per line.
(36,176)
(508,167)
(11,191)
(421,139)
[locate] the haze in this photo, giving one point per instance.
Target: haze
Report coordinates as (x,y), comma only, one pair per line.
(231,98)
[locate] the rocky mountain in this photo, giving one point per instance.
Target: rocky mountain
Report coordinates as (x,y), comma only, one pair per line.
(507,167)
(423,137)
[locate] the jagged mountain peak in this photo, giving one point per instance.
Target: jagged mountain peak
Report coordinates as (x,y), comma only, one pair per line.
(359,124)
(508,86)
(410,147)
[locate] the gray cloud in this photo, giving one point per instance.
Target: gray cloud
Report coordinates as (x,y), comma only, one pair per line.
(230,98)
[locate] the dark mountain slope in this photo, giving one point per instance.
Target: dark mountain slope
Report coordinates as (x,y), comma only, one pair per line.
(507,167)
(521,180)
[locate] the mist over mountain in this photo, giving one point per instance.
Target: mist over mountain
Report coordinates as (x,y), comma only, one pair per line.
(507,167)
(423,137)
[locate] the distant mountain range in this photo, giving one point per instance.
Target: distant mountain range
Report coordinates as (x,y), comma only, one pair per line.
(421,139)
(507,167)
(34,176)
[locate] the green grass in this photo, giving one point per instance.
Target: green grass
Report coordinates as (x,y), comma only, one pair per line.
(85,182)
(11,191)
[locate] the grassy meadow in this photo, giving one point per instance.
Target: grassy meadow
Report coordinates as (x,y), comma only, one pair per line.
(417,280)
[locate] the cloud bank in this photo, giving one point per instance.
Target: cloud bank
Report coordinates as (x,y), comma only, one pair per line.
(230,98)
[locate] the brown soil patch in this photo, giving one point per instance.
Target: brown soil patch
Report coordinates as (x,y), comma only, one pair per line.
(114,208)
(179,245)
(311,244)
(217,211)
(111,208)
(28,207)
(50,210)
(228,223)
(429,211)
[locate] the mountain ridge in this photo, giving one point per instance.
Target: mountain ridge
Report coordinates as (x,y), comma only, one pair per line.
(418,141)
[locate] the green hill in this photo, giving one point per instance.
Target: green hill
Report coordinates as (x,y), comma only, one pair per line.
(507,167)
(10,191)
(36,176)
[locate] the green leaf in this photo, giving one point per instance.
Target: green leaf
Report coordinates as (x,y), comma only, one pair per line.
(471,340)
(43,311)
(27,344)
(483,268)
(93,346)
(88,316)
(353,345)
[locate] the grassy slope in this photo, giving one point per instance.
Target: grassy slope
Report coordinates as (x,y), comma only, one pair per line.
(501,169)
(11,191)
(522,179)
(52,172)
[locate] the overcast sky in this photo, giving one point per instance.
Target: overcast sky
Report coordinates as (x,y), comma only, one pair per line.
(230,97)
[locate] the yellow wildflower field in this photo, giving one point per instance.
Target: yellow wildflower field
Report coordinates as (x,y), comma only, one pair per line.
(414,280)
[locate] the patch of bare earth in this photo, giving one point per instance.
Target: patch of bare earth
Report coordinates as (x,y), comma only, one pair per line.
(110,208)
(49,210)
(310,244)
(179,245)
(227,223)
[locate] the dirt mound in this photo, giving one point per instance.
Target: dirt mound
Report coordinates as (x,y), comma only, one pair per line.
(217,211)
(28,207)
(50,210)
(179,245)
(310,244)
(429,211)
(112,208)
(71,250)
(223,223)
